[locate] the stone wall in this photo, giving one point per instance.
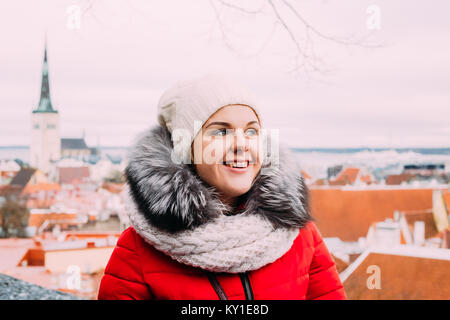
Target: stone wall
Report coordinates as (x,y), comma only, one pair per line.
(16,289)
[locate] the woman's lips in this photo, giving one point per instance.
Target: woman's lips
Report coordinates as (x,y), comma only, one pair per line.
(237,170)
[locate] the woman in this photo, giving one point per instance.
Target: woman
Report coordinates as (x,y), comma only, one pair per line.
(213,215)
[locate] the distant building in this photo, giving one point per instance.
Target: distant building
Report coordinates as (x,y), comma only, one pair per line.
(41,195)
(45,219)
(385,232)
(53,258)
(320,182)
(399,179)
(47,147)
(332,172)
(45,136)
(74,148)
(417,226)
(353,176)
(106,167)
(27,177)
(70,171)
(424,169)
(8,169)
(73,175)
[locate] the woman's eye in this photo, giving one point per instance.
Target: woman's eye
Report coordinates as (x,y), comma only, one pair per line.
(223,132)
(219,132)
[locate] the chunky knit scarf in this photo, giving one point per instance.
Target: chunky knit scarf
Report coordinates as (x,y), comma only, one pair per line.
(229,243)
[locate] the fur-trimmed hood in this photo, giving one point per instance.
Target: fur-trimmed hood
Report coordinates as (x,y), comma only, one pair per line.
(174,198)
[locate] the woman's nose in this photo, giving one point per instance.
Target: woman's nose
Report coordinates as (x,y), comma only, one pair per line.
(240,140)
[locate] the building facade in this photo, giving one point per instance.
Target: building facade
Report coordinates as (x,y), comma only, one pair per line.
(45,135)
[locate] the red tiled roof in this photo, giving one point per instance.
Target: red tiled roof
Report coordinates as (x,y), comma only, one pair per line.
(366,178)
(347,214)
(113,187)
(41,187)
(402,277)
(341,265)
(347,176)
(12,250)
(38,219)
(397,179)
(319,182)
(446,196)
(427,217)
(10,189)
(23,177)
(72,235)
(40,203)
(337,182)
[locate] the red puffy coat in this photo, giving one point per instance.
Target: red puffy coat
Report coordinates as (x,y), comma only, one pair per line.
(138,271)
(173,197)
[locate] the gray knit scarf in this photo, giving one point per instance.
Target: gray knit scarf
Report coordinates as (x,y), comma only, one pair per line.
(229,243)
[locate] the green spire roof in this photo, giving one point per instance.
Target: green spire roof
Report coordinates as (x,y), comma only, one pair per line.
(45,104)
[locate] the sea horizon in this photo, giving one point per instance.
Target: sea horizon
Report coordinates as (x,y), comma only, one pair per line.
(315,161)
(422,150)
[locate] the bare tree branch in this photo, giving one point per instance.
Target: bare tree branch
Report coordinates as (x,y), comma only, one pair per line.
(306,60)
(222,31)
(344,41)
(225,35)
(244,10)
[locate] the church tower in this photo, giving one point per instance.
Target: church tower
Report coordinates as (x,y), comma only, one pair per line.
(45,134)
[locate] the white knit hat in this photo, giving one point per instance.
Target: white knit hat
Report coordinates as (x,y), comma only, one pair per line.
(185,107)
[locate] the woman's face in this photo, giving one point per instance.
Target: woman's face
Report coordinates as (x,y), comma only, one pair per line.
(227,152)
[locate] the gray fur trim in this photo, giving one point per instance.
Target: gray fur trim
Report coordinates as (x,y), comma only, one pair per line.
(172,197)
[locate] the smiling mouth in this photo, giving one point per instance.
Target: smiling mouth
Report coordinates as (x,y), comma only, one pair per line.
(237,164)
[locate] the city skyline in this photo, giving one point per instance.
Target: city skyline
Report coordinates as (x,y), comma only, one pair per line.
(106,77)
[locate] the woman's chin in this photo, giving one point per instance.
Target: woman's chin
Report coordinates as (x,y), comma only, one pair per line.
(237,189)
(236,183)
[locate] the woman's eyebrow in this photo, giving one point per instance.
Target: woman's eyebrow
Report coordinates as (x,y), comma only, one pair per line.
(226,124)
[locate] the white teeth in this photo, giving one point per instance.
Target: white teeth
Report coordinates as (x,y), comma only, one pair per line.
(238,164)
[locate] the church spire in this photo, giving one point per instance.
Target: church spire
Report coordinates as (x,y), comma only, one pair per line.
(45,103)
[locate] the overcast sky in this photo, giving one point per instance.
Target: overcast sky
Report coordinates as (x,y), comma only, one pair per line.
(107,76)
